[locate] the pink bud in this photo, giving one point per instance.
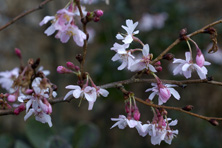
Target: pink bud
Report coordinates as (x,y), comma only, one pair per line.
(136,115)
(62,70)
(200,59)
(98,13)
(16,111)
(158,68)
(164,94)
(96,19)
(18,52)
(49,107)
(11,98)
(158,63)
(70,65)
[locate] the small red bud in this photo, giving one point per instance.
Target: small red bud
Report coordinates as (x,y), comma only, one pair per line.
(158,63)
(188,108)
(159,68)
(168,56)
(96,19)
(63,70)
(18,53)
(98,13)
(70,65)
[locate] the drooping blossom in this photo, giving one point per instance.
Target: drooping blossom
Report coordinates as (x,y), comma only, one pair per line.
(7,79)
(88,92)
(143,62)
(130,27)
(64,23)
(185,67)
(122,122)
(160,131)
(163,91)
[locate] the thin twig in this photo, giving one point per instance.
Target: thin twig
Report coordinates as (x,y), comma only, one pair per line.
(170,107)
(24,14)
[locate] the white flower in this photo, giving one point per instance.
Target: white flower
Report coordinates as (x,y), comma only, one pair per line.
(122,122)
(103,92)
(130,27)
(161,90)
(185,67)
(126,59)
(143,63)
(159,134)
(143,130)
(7,79)
(89,93)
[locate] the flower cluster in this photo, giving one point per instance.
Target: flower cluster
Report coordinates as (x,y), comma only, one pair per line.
(127,58)
(31,89)
(64,23)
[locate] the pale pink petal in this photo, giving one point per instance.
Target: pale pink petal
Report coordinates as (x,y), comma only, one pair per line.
(188,56)
(46,19)
(187,73)
(68,94)
(73,87)
(77,93)
(146,50)
(174,93)
(50,30)
(185,67)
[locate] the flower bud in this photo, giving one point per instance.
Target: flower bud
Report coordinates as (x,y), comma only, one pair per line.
(63,70)
(200,58)
(158,63)
(29,91)
(164,93)
(168,56)
(158,68)
(12,98)
(18,53)
(98,13)
(70,65)
(96,19)
(136,114)
(188,108)
(214,122)
(79,58)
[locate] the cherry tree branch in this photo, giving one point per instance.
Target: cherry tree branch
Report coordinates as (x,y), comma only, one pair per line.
(179,40)
(40,6)
(209,119)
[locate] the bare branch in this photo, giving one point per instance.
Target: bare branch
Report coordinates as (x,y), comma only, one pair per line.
(24,14)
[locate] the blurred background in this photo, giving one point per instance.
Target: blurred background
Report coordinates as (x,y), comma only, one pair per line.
(159,22)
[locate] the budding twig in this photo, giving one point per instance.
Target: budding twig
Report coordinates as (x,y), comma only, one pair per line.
(24,14)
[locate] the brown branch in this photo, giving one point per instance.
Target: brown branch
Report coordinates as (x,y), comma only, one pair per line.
(178,40)
(84,22)
(24,14)
(179,83)
(170,107)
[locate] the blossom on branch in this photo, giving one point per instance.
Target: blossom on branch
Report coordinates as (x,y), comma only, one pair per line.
(130,27)
(7,79)
(122,122)
(164,92)
(185,67)
(64,23)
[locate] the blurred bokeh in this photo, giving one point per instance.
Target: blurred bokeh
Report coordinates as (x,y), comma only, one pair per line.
(75,126)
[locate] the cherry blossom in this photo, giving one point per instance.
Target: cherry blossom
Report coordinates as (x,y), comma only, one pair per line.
(7,79)
(130,27)
(164,92)
(122,122)
(185,67)
(143,63)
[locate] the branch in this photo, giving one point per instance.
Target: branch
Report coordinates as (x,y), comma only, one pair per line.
(179,83)
(209,119)
(178,40)
(24,14)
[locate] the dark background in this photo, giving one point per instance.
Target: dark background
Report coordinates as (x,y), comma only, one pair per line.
(75,126)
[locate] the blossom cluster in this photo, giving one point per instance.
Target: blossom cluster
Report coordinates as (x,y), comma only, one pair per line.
(29,89)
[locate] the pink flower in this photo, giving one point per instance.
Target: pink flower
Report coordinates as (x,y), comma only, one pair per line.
(164,92)
(143,63)
(185,67)
(200,58)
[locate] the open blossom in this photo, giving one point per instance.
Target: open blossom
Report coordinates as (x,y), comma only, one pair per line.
(161,131)
(122,122)
(185,67)
(130,27)
(122,55)
(143,63)
(37,103)
(88,92)
(7,79)
(63,22)
(164,92)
